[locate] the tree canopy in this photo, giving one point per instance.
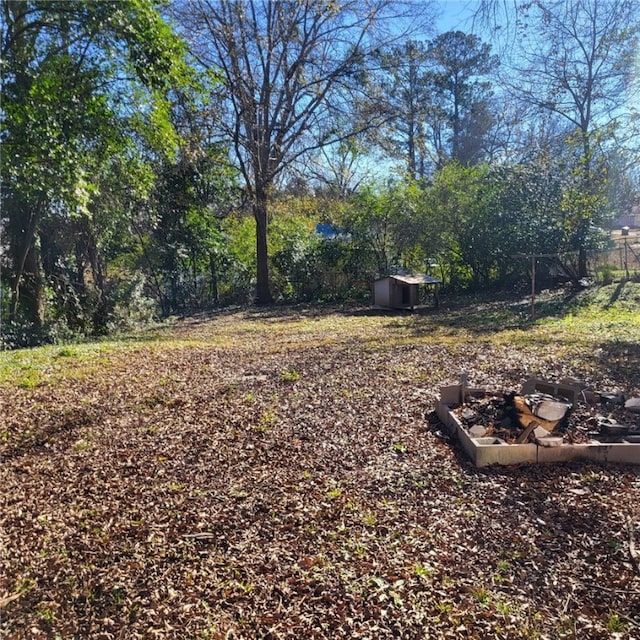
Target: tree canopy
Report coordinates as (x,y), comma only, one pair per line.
(162,157)
(289,69)
(84,103)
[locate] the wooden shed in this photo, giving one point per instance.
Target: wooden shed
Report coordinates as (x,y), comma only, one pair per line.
(402,291)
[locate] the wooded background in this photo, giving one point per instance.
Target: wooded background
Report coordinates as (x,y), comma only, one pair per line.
(164,158)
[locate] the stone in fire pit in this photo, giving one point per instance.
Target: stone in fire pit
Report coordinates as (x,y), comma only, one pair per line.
(544,422)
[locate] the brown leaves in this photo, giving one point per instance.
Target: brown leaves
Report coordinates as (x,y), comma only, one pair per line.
(256,485)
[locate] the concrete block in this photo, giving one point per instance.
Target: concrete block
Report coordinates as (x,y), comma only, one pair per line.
(540,432)
(619,452)
(451,395)
(484,451)
(487,450)
(633,405)
(478,431)
(447,418)
(573,393)
(549,441)
(505,454)
(563,453)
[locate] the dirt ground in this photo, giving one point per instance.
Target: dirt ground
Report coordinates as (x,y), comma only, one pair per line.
(282,474)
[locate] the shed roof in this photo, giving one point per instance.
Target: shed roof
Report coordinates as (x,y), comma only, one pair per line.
(417,278)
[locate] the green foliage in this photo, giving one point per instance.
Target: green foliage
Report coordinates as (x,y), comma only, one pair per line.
(615,623)
(117,206)
(580,70)
(605,273)
(83,95)
(292,243)
(489,218)
(238,284)
(388,227)
(461,205)
(585,205)
(46,136)
(185,249)
(303,265)
(290,375)
(130,307)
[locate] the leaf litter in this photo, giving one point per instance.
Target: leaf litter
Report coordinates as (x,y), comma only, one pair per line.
(214,487)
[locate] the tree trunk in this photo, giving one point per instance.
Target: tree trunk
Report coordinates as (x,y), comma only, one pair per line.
(27,296)
(27,299)
(582,262)
(263,288)
(101,310)
(213,287)
(587,187)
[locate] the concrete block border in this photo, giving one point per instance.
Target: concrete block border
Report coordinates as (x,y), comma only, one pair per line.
(484,451)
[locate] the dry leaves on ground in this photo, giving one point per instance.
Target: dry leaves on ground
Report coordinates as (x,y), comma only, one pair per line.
(283,477)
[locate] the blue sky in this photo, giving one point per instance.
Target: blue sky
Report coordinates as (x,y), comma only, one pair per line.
(455,14)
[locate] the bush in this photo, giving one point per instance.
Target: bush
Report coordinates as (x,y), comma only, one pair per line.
(128,305)
(606,273)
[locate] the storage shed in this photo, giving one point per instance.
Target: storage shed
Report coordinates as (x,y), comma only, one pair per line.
(402,291)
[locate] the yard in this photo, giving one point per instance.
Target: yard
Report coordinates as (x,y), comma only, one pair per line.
(280,473)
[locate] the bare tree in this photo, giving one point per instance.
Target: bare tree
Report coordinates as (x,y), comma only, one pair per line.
(337,169)
(286,66)
(576,61)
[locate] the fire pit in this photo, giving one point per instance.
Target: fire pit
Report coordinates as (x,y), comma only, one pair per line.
(544,422)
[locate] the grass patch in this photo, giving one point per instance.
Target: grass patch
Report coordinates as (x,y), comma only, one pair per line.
(612,313)
(29,368)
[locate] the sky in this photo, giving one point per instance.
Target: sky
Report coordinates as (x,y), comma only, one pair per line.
(455,14)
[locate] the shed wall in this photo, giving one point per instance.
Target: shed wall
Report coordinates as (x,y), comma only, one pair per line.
(393,294)
(382,292)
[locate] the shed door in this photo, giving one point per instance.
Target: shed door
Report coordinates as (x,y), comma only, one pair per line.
(406,294)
